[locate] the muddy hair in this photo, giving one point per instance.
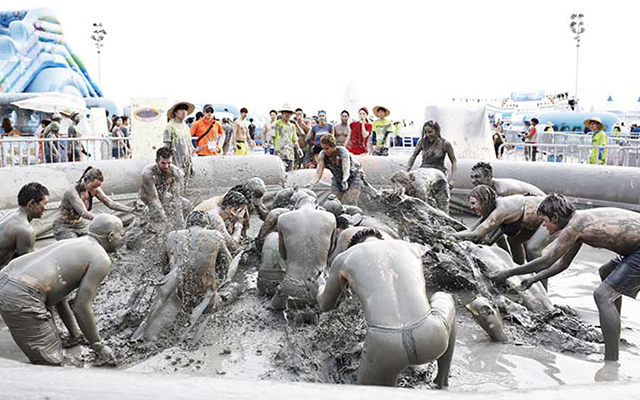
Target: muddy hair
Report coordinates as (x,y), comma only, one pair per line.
(360,236)
(486,196)
(164,152)
(557,208)
(233,198)
(329,140)
(342,222)
(486,168)
(32,191)
(433,125)
(243,190)
(91,174)
(198,218)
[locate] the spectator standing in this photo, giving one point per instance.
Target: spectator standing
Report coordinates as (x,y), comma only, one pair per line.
(241,134)
(531,137)
(285,140)
(268,132)
(381,131)
(342,130)
(52,131)
(118,146)
(177,137)
(8,128)
(252,130)
(318,131)
(206,131)
(359,133)
(598,139)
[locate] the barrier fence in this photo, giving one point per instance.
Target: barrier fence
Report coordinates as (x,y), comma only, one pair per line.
(625,156)
(30,151)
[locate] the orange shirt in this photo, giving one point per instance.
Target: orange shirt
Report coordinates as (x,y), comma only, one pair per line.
(200,127)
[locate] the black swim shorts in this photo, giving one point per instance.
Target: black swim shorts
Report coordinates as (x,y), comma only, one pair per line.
(625,277)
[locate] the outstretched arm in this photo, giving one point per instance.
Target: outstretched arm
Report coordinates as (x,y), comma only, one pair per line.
(319,170)
(329,292)
(82,307)
(413,157)
(149,196)
(106,200)
(452,157)
(559,266)
(77,203)
(282,248)
(486,228)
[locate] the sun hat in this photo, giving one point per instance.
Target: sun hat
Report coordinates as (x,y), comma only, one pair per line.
(376,108)
(596,120)
(286,107)
(190,108)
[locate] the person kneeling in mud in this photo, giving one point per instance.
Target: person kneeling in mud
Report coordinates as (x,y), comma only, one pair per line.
(229,217)
(516,216)
(161,190)
(404,327)
(30,285)
(198,262)
(427,184)
(305,238)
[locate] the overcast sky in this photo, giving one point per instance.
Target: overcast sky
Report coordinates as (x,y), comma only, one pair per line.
(403,54)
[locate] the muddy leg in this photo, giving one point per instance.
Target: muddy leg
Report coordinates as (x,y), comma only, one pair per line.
(377,364)
(350,197)
(605,298)
(444,362)
(504,244)
(517,250)
(604,271)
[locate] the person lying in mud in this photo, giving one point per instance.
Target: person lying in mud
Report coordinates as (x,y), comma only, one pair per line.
(427,184)
(229,217)
(434,149)
(335,207)
(30,285)
(608,228)
(198,262)
(254,190)
(404,326)
(515,216)
(161,189)
(346,181)
(17,236)
(482,174)
(305,238)
(77,202)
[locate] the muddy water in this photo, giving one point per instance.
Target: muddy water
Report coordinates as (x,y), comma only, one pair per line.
(246,340)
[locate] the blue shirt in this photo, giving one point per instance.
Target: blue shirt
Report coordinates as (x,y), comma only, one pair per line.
(320,131)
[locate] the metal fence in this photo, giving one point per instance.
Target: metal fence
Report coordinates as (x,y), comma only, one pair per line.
(625,156)
(627,139)
(29,151)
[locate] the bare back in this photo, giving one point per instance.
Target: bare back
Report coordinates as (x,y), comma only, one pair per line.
(387,277)
(59,268)
(307,235)
(509,187)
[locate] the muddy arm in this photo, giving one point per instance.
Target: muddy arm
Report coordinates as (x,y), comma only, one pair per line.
(281,246)
(82,308)
(559,266)
(417,151)
(454,162)
(329,292)
(149,196)
(77,203)
(25,242)
(319,171)
(106,200)
(487,227)
(66,315)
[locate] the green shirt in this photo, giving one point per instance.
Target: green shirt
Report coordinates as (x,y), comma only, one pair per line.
(598,152)
(284,140)
(381,130)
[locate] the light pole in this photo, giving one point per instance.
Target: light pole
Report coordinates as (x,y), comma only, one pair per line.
(577,27)
(98,36)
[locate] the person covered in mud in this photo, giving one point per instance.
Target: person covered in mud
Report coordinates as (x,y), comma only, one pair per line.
(427,184)
(30,285)
(17,236)
(482,174)
(434,149)
(335,207)
(404,326)
(161,189)
(253,189)
(346,170)
(608,228)
(77,202)
(515,216)
(197,264)
(229,217)
(305,238)
(177,137)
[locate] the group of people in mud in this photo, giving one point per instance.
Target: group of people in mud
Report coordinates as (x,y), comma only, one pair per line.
(311,252)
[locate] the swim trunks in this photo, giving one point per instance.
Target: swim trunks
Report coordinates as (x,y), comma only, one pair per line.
(24,310)
(625,277)
(63,229)
(242,149)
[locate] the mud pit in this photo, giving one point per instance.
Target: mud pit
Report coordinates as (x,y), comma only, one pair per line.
(246,340)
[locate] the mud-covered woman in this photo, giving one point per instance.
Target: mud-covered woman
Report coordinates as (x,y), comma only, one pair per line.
(77,203)
(434,149)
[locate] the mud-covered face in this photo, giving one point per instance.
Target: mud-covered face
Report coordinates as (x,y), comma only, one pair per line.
(115,240)
(164,164)
(479,178)
(36,209)
(476,206)
(551,226)
(429,132)
(328,149)
(93,185)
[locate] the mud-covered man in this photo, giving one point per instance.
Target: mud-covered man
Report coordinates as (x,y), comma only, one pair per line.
(228,219)
(305,238)
(254,190)
(608,228)
(17,236)
(404,327)
(197,263)
(482,174)
(427,184)
(30,285)
(161,189)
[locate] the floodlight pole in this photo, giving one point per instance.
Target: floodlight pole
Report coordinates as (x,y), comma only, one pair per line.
(577,27)
(98,36)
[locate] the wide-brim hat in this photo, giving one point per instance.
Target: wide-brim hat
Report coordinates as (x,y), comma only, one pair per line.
(376,108)
(190,108)
(594,119)
(287,107)
(550,123)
